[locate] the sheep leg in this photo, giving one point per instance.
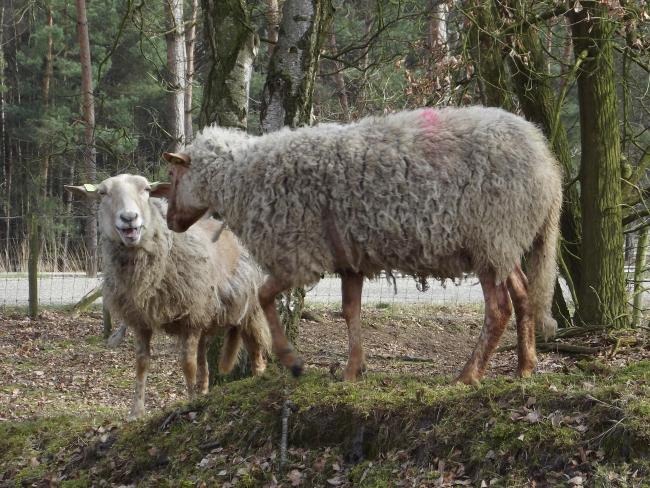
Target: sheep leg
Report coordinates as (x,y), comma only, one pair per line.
(281,346)
(498,310)
(351,286)
(255,352)
(142,357)
(189,352)
(202,373)
(518,288)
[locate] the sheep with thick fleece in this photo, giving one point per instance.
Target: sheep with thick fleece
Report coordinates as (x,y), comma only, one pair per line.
(186,285)
(432,193)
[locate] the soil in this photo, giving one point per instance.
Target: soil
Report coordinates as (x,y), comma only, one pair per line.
(58,363)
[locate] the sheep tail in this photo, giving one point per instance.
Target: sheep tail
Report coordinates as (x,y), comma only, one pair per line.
(541,269)
(258,330)
(230,350)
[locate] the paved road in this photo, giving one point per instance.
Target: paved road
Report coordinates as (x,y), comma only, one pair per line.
(68,288)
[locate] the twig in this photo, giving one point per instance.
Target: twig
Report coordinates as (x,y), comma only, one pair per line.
(206,446)
(567,348)
(174,415)
(87,300)
(557,347)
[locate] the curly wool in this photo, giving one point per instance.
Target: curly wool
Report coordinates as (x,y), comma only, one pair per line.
(427,192)
(179,281)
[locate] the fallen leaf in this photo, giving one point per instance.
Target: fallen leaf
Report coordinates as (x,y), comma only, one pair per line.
(575,481)
(336,481)
(294,477)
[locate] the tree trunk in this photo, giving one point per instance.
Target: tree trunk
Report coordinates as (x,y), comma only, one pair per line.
(89,151)
(287,94)
(231,46)
(537,98)
(639,274)
(190,43)
(601,291)
(486,53)
(272,23)
(176,66)
(339,81)
(287,97)
(5,184)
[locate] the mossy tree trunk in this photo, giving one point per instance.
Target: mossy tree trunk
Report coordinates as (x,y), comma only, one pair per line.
(601,290)
(287,97)
(639,273)
(231,46)
(540,104)
(481,19)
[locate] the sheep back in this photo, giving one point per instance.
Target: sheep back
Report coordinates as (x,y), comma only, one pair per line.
(428,192)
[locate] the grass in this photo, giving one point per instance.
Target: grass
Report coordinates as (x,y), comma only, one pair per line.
(378,432)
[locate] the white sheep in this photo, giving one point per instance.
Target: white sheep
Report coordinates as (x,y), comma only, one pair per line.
(432,193)
(186,285)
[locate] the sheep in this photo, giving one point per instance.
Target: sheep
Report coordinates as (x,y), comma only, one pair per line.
(186,285)
(432,193)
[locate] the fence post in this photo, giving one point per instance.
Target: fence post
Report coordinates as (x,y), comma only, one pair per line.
(32,264)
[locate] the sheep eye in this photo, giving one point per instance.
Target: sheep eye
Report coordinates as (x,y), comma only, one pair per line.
(147,189)
(101,192)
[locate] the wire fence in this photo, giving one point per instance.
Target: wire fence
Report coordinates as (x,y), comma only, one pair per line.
(62,280)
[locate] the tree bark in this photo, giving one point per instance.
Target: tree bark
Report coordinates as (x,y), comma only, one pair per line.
(176,66)
(287,97)
(537,98)
(287,94)
(493,78)
(232,45)
(272,23)
(190,43)
(339,81)
(5,185)
(639,273)
(601,291)
(89,150)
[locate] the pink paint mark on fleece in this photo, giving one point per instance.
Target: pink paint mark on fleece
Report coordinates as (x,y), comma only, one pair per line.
(430,118)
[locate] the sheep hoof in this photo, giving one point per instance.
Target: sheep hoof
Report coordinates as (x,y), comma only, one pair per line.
(468,380)
(525,373)
(297,367)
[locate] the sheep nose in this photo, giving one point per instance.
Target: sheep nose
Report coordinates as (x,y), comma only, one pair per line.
(128,217)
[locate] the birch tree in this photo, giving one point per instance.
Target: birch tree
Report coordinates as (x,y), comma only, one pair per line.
(287,95)
(176,65)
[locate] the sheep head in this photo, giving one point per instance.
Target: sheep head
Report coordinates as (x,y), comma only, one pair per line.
(184,208)
(124,213)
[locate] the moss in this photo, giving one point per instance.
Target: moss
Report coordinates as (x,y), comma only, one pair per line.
(481,428)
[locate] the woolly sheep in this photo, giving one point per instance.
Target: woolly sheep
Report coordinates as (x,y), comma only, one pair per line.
(186,285)
(432,193)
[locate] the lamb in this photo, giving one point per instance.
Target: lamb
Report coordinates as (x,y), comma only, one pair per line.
(432,193)
(187,285)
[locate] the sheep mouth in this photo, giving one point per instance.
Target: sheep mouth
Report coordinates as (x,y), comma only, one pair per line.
(130,235)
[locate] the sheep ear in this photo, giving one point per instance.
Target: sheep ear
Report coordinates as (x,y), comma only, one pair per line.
(177,158)
(160,189)
(87,190)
